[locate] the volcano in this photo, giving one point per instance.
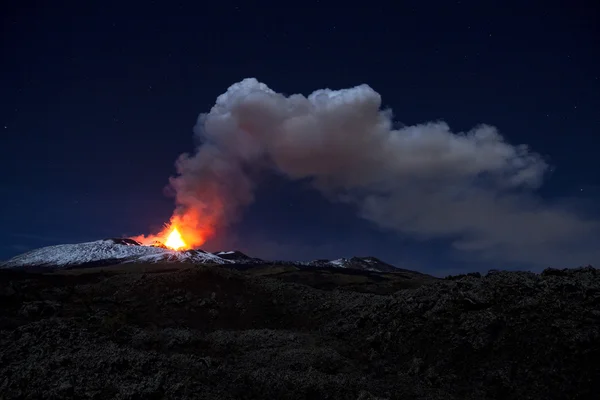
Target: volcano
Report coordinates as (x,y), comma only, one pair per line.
(115,251)
(154,322)
(107,252)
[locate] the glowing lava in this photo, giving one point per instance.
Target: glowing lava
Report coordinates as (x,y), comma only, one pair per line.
(184,231)
(175,241)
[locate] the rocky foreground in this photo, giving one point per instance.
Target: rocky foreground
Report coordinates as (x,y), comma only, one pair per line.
(214,332)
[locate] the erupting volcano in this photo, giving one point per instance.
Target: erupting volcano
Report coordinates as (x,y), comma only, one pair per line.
(183,232)
(422,180)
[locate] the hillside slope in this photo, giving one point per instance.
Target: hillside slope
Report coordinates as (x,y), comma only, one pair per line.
(105,252)
(185,332)
(115,251)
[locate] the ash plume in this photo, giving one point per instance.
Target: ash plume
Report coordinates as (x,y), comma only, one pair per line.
(423,180)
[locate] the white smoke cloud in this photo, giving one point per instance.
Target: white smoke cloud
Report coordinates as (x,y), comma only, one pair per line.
(421,180)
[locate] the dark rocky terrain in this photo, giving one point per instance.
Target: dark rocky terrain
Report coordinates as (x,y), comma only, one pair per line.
(238,256)
(180,331)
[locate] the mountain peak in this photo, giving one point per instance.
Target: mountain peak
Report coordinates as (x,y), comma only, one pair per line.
(124,241)
(112,251)
(362,263)
(105,252)
(237,256)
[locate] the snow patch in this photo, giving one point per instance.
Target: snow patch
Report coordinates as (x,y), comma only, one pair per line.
(340,263)
(66,255)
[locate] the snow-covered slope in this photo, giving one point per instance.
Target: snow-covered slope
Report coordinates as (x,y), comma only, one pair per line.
(193,256)
(108,251)
(238,257)
(123,251)
(361,263)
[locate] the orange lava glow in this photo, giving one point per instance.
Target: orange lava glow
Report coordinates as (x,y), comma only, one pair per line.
(197,217)
(175,241)
(183,232)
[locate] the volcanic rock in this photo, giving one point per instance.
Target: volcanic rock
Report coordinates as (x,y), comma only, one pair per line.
(238,257)
(360,263)
(213,332)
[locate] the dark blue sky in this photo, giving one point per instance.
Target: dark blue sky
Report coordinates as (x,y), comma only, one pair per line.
(98,101)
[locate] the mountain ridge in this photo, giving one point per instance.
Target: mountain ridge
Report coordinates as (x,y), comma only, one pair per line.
(115,251)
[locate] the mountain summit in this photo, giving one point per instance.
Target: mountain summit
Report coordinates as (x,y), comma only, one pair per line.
(106,252)
(114,251)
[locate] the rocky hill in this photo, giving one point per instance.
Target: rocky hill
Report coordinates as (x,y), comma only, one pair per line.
(115,251)
(105,252)
(179,331)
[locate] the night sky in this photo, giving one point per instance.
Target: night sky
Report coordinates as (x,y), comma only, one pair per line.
(98,99)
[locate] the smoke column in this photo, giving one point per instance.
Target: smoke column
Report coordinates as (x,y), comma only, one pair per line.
(422,180)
